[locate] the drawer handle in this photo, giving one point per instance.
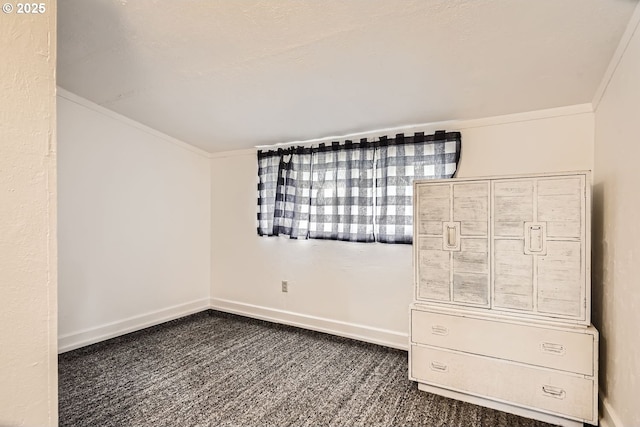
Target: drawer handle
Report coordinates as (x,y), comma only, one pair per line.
(554,392)
(549,347)
(439,330)
(439,367)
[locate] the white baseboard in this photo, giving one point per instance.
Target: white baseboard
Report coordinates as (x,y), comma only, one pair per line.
(378,336)
(110,330)
(373,335)
(609,417)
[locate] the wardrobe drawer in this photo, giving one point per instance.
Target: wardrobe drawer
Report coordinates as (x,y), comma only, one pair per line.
(564,349)
(543,389)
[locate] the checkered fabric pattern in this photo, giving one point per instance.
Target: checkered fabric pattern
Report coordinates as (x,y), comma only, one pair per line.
(399,162)
(342,192)
(284,189)
(327,192)
(293,194)
(268,167)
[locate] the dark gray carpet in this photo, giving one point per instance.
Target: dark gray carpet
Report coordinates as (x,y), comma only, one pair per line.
(215,369)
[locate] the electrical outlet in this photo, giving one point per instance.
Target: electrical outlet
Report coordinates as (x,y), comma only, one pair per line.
(285,286)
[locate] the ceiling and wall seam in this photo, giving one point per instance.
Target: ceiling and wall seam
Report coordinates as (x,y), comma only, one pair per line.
(69,96)
(632,27)
(447,124)
(452,125)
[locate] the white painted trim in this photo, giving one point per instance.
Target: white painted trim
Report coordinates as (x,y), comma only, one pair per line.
(452,125)
(104,332)
(110,330)
(632,27)
(234,153)
(69,96)
(609,417)
(549,113)
(378,336)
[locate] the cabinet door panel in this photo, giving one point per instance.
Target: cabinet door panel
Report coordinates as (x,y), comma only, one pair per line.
(434,208)
(560,279)
(471,189)
(471,260)
(513,275)
(513,188)
(512,207)
(434,266)
(434,191)
(560,206)
(472,212)
(560,186)
(471,272)
(471,264)
(429,243)
(471,288)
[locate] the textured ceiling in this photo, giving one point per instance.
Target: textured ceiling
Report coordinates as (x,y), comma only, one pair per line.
(233,74)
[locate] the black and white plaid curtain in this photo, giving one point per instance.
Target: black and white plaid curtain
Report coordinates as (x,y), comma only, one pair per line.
(284,188)
(398,162)
(342,192)
(268,168)
(329,191)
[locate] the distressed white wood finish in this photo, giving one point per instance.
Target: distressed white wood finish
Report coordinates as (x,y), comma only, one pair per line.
(539,230)
(524,236)
(566,349)
(501,406)
(501,315)
(544,390)
(452,222)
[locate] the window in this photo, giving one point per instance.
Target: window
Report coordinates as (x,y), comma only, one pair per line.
(360,192)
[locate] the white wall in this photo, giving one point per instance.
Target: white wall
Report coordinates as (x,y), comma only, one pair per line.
(358,289)
(134,219)
(616,235)
(28,356)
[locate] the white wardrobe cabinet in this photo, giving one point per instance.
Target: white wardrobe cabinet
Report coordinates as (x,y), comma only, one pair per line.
(501,314)
(516,245)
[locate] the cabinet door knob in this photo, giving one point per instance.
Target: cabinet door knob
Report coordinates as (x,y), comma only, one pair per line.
(535,238)
(451,236)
